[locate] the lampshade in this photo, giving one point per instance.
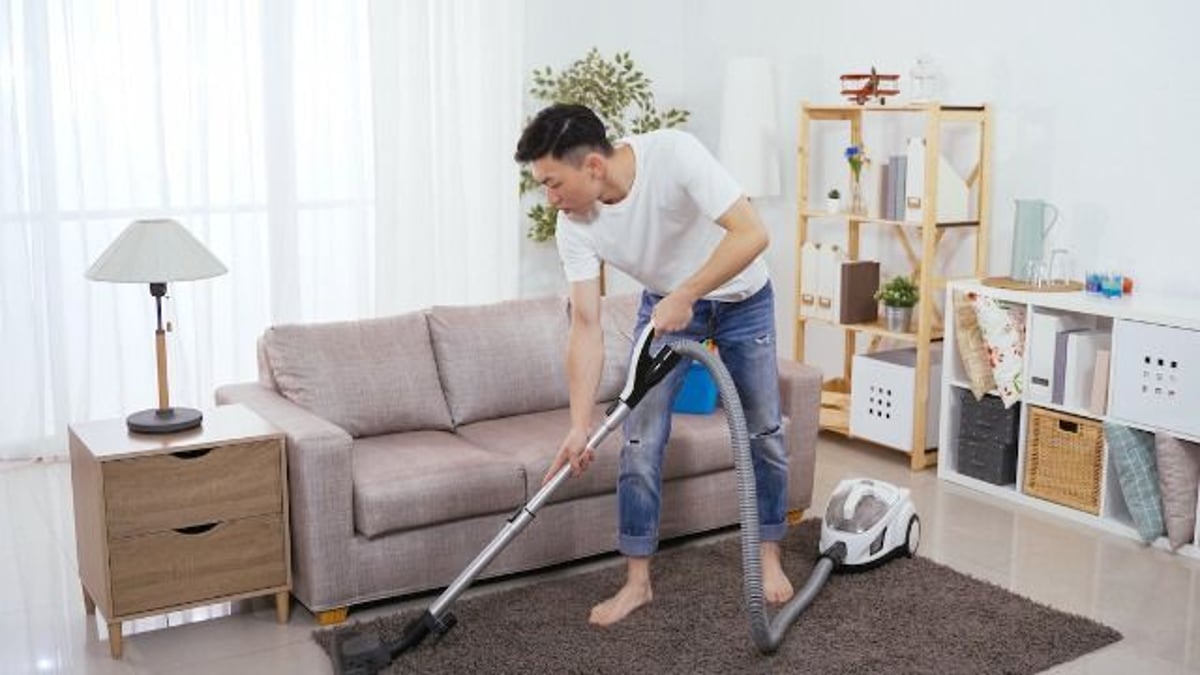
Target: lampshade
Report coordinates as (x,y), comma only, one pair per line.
(749,134)
(155,251)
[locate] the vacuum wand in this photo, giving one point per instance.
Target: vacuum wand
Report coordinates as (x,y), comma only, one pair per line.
(364,653)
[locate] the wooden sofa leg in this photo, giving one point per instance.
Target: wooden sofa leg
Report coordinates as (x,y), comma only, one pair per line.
(332,617)
(795,516)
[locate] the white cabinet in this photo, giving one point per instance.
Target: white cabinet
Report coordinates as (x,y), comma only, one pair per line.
(1151,385)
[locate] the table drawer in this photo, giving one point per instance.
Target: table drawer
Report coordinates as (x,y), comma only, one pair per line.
(163,569)
(168,491)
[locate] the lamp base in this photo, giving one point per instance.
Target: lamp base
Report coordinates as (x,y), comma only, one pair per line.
(169,421)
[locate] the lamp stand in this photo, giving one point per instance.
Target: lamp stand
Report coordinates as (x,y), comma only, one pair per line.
(164,419)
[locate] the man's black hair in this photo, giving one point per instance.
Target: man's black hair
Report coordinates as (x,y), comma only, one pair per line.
(560,130)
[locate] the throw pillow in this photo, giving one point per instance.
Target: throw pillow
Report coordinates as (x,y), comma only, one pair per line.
(1003,331)
(1179,480)
(1132,452)
(971,349)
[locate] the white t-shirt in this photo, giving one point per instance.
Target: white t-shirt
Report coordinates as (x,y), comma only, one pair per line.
(665,229)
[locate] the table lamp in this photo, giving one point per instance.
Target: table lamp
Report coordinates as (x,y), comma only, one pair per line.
(156,252)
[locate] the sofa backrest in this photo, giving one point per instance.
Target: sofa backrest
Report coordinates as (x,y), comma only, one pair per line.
(501,359)
(369,377)
(618,316)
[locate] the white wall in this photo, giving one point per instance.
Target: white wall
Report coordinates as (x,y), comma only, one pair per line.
(1095,103)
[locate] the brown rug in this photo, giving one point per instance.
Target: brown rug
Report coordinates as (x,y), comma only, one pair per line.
(909,616)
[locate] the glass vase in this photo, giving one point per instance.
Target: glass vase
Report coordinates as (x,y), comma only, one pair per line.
(857,206)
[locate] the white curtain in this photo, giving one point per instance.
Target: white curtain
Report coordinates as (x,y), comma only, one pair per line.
(344,159)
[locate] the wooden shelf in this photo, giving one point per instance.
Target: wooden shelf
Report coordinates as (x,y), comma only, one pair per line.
(820,111)
(882,221)
(875,328)
(920,241)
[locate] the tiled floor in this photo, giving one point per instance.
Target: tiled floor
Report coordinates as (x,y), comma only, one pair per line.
(1149,595)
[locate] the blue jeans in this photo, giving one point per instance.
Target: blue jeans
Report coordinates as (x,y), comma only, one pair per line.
(745,336)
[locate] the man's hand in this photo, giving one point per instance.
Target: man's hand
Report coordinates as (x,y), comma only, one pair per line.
(673,313)
(573,450)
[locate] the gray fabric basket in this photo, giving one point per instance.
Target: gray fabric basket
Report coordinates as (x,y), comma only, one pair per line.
(987,439)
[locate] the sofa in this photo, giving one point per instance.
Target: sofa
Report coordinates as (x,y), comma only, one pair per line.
(411,438)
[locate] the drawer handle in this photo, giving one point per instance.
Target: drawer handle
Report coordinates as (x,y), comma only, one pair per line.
(1068,426)
(191,454)
(196,529)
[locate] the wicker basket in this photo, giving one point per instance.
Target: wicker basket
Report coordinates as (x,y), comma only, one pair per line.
(1063,459)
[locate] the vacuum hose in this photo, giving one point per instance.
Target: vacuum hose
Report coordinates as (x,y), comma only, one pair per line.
(767,634)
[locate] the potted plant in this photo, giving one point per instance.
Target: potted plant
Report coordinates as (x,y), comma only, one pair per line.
(833,201)
(899,295)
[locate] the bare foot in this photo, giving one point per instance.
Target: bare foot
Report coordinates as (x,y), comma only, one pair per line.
(776,587)
(635,593)
(632,595)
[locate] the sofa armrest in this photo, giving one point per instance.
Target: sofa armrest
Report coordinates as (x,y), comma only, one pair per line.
(321,494)
(800,400)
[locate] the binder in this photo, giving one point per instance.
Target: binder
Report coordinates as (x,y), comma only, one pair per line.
(952,190)
(1058,386)
(810,269)
(1043,334)
(854,299)
(829,270)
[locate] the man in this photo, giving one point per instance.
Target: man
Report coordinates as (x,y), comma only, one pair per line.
(660,208)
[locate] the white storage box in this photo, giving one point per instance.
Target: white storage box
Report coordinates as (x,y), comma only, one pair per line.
(882,397)
(1155,382)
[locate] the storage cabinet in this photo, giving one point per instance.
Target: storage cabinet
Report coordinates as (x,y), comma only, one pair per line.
(1062,465)
(179,520)
(919,236)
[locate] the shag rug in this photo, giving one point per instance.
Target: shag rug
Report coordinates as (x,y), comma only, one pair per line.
(908,616)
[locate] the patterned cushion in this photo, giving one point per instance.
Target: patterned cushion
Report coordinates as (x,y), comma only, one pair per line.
(1132,452)
(369,377)
(1179,479)
(502,359)
(971,349)
(1003,332)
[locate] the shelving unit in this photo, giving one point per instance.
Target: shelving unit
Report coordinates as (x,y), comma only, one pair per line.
(929,233)
(1141,309)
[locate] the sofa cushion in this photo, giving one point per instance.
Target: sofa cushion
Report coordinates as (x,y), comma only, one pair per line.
(1132,453)
(503,359)
(369,377)
(618,318)
(1178,463)
(699,444)
(422,478)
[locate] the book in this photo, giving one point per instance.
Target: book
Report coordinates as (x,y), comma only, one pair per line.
(899,164)
(854,301)
(1081,363)
(885,191)
(1098,405)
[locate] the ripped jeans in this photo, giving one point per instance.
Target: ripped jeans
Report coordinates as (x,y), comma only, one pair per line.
(745,336)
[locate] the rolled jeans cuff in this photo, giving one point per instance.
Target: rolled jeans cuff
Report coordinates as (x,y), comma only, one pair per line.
(772,532)
(637,547)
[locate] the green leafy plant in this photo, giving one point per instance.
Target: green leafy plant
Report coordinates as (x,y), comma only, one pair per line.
(834,194)
(620,95)
(899,291)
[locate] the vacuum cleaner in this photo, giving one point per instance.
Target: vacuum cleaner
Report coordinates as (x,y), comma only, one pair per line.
(862,532)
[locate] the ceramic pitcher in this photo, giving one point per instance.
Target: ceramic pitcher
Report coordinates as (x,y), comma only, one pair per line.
(1033,220)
